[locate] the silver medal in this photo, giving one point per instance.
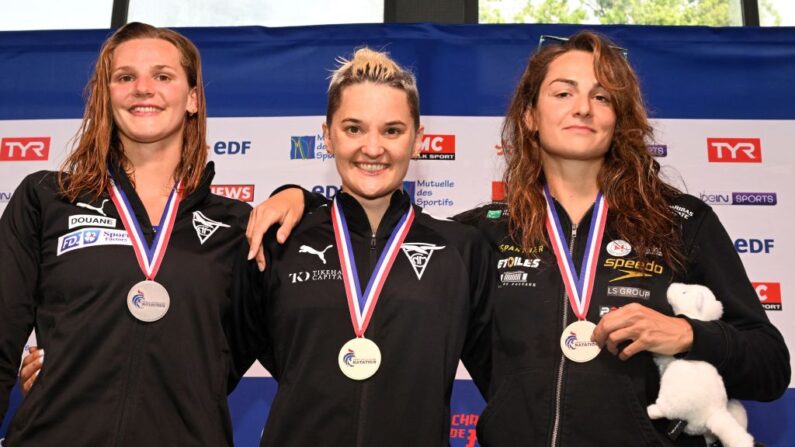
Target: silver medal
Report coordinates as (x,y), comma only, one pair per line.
(148,301)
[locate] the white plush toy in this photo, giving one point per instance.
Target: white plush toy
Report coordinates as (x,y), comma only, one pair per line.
(693,391)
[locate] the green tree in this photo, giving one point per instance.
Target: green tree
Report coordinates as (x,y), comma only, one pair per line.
(640,12)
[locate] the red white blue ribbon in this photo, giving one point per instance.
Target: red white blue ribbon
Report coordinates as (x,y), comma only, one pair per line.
(362,304)
(149,257)
(579,286)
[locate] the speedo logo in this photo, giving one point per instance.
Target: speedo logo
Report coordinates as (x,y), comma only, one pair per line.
(518,261)
(633,269)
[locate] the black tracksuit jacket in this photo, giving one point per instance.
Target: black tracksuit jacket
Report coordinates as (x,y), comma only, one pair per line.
(109,379)
(540,398)
(423,323)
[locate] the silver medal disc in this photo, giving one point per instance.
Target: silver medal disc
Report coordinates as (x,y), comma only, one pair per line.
(576,342)
(359,358)
(148,301)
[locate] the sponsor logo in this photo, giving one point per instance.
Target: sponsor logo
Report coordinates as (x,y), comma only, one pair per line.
(315,275)
(463,430)
(739,198)
(308,147)
(682,211)
(5,196)
(419,254)
(427,193)
(628,292)
(658,150)
(100,209)
(513,248)
(573,343)
(25,149)
(769,294)
(330,191)
(91,237)
(438,147)
(518,261)
(493,214)
(244,193)
(350,359)
(312,251)
(204,226)
(139,301)
(85,220)
(633,269)
(604,310)
(231,147)
(753,245)
(497,191)
(518,276)
(734,150)
(618,248)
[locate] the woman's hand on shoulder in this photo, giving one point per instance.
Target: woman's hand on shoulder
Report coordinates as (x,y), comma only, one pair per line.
(284,208)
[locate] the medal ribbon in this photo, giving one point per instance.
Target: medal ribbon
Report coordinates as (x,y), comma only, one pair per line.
(361,305)
(579,287)
(149,258)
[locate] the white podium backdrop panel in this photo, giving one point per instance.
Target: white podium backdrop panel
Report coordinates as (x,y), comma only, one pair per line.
(718,97)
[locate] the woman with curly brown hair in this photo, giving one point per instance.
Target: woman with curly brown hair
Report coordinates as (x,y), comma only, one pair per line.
(589,240)
(125,264)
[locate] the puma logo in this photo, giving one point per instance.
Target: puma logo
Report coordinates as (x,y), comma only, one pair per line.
(312,251)
(97,209)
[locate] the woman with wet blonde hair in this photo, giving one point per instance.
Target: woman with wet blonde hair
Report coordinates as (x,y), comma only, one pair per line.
(370,304)
(125,264)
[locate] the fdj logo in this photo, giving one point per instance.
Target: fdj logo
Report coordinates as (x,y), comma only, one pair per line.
(302,148)
(734,150)
(25,149)
(232,147)
(753,245)
(438,147)
(329,191)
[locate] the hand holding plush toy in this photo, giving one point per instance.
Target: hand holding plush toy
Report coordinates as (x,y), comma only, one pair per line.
(693,391)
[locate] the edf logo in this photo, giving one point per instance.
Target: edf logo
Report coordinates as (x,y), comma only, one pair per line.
(232,147)
(25,149)
(734,150)
(753,245)
(329,191)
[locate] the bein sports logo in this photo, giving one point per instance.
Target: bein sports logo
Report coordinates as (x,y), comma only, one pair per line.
(769,294)
(438,147)
(25,149)
(739,198)
(734,150)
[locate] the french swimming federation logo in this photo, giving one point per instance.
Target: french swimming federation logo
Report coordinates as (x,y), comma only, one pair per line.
(572,342)
(348,358)
(138,300)
(302,147)
(419,254)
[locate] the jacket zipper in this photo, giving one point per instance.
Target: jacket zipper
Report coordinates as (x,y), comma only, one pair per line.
(559,382)
(363,395)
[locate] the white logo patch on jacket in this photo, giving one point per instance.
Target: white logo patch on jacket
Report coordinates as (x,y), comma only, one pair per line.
(419,254)
(204,226)
(98,209)
(312,251)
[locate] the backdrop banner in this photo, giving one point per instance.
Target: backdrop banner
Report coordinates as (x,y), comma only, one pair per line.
(720,100)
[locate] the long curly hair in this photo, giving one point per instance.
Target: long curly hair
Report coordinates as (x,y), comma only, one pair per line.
(638,199)
(97,142)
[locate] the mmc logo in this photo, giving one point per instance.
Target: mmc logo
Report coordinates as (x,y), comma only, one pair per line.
(302,148)
(438,147)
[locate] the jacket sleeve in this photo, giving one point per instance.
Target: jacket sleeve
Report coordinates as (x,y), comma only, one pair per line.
(246,332)
(20,259)
(477,346)
(748,351)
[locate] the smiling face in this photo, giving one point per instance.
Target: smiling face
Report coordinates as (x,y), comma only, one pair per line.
(372,138)
(149,93)
(574,115)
